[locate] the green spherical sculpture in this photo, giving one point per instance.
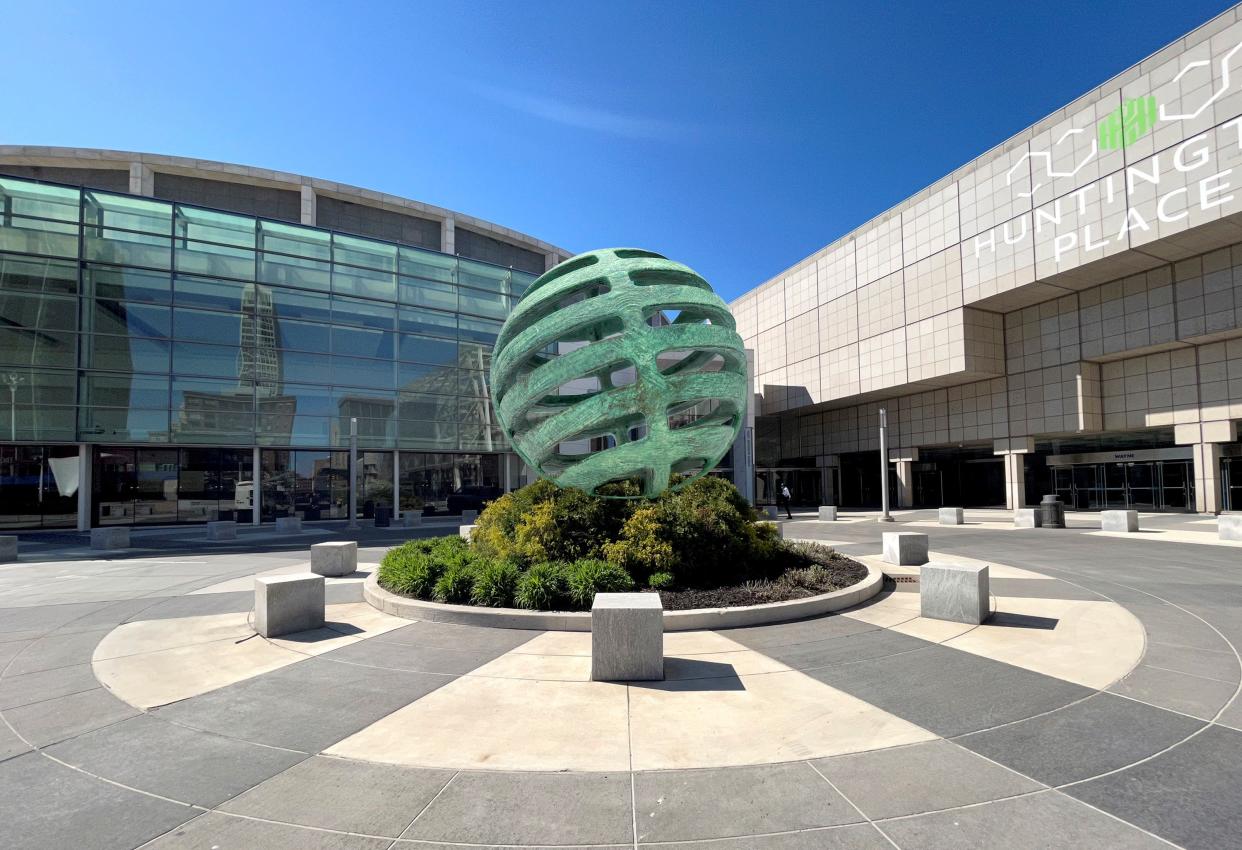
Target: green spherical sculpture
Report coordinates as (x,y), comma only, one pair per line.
(589,354)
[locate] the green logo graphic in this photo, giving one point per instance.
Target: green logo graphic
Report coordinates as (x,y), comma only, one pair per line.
(1126,125)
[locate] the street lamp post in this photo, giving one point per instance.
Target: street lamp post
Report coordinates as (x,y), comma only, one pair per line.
(14,380)
(353,472)
(884,517)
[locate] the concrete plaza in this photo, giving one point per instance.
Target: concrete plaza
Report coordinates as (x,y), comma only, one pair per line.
(1097,707)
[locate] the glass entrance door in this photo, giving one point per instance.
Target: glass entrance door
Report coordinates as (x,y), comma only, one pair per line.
(1231,482)
(1086,488)
(1177,485)
(1063,484)
(1141,486)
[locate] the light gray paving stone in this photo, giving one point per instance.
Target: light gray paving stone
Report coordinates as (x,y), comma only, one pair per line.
(10,649)
(196,605)
(53,720)
(681,805)
(848,649)
(1210,664)
(172,761)
(56,650)
(1188,795)
(112,537)
(421,659)
(1099,734)
(45,684)
(1041,588)
(1044,821)
(423,633)
(41,619)
(11,744)
(59,807)
(345,795)
(920,778)
(764,638)
(214,831)
(860,837)
(1192,695)
(530,808)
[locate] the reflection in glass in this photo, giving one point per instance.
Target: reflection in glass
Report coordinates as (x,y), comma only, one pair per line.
(38,486)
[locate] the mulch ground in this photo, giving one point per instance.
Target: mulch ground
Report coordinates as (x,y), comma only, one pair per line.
(838,572)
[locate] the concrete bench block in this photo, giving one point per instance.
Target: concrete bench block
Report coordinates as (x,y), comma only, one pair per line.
(225,529)
(954,592)
(952,516)
(1229,526)
(469,517)
(905,548)
(770,510)
(110,538)
(334,559)
(409,519)
(627,637)
(1027,518)
(1119,521)
(8,549)
(828,513)
(288,603)
(288,523)
(465,531)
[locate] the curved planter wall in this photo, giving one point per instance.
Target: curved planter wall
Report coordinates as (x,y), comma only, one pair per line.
(580,621)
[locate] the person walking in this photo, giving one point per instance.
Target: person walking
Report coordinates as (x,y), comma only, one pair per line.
(783,497)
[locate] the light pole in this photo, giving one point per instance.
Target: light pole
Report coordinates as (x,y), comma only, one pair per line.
(353,472)
(884,517)
(14,380)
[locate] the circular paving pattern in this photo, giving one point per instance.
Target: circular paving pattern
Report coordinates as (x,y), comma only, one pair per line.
(1062,721)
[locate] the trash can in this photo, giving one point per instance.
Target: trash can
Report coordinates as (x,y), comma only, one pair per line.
(1052,512)
(383,516)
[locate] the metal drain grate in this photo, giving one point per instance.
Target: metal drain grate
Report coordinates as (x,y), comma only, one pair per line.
(905,579)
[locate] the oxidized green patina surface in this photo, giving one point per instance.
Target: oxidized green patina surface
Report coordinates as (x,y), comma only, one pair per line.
(595,309)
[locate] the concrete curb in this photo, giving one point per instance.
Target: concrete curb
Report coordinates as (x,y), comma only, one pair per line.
(580,621)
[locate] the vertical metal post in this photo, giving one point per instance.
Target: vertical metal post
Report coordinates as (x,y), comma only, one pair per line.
(353,472)
(884,517)
(85,487)
(256,490)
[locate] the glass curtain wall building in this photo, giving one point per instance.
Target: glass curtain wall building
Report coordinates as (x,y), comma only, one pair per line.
(174,341)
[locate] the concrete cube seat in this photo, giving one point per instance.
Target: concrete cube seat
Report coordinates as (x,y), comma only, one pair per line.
(110,538)
(468,517)
(1119,521)
(905,548)
(1027,518)
(464,531)
(627,637)
(1229,526)
(951,516)
(770,510)
(288,603)
(224,529)
(954,592)
(334,559)
(409,519)
(288,523)
(828,513)
(8,549)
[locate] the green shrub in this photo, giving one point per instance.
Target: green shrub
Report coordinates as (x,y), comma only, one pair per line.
(544,587)
(590,576)
(410,570)
(494,584)
(544,522)
(642,548)
(456,584)
(661,581)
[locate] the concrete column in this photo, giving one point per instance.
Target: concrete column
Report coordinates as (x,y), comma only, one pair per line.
(744,445)
(85,486)
(310,206)
(1015,481)
(551,261)
(448,236)
(1206,439)
(256,487)
(905,483)
(141,179)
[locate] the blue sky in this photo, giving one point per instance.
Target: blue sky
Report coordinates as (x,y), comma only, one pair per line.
(737,138)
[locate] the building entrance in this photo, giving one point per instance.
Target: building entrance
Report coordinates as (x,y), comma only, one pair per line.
(1231,483)
(1141,480)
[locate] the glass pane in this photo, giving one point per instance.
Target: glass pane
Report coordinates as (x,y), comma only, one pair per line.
(426,293)
(363,342)
(427,406)
(356,372)
(483,276)
(30,274)
(480,330)
(364,253)
(133,319)
(426,378)
(295,271)
(290,429)
(213,294)
(482,438)
(374,482)
(221,260)
(129,391)
(212,411)
(426,435)
(31,494)
(290,304)
(127,284)
(207,326)
(364,282)
(427,350)
(211,226)
(427,264)
(124,354)
(191,358)
(155,486)
(483,303)
(300,399)
(114,483)
(23,197)
(351,311)
(296,241)
(36,236)
(127,212)
(308,336)
(475,356)
(306,367)
(121,246)
(431,322)
(38,312)
(520,281)
(22,347)
(148,426)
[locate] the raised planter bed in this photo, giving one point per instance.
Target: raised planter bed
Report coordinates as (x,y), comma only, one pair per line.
(580,621)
